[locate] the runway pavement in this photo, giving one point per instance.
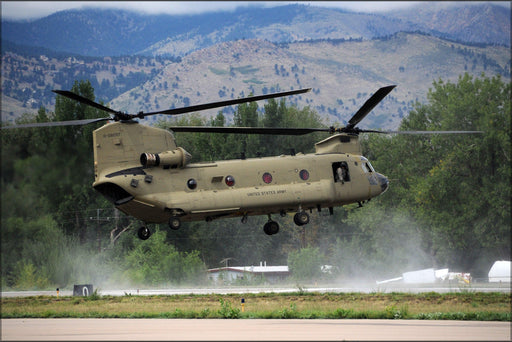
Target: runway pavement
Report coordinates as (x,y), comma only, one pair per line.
(251,330)
(256,329)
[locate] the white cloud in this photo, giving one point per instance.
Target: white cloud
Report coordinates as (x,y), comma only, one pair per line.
(37,9)
(365,6)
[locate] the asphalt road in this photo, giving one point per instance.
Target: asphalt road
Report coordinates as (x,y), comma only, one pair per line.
(257,329)
(251,330)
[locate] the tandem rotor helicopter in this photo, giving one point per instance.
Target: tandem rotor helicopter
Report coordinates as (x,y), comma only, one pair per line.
(146,175)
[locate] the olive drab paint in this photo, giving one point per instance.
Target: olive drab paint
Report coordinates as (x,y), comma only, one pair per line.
(177,189)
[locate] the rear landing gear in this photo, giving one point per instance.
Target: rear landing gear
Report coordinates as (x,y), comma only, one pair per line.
(301,218)
(271,227)
(174,223)
(144,233)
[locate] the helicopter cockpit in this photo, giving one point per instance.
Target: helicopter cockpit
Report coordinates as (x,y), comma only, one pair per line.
(374,178)
(366,165)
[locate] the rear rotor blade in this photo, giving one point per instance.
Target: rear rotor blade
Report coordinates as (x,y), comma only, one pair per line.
(84,100)
(122,116)
(211,105)
(56,123)
(424,132)
(369,105)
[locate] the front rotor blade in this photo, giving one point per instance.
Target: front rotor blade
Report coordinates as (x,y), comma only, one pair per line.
(369,105)
(425,132)
(211,105)
(84,100)
(296,131)
(56,123)
(247,130)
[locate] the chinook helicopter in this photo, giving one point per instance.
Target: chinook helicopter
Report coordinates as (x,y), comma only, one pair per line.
(146,175)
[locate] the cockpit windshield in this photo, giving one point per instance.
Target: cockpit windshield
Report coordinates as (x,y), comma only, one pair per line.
(366,165)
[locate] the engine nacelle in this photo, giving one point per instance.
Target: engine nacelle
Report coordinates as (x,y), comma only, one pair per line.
(174,159)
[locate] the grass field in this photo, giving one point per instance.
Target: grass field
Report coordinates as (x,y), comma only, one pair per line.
(481,306)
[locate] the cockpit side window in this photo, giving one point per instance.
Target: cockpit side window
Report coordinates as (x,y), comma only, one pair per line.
(340,172)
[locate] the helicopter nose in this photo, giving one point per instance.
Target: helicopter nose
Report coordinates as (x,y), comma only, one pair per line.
(383,181)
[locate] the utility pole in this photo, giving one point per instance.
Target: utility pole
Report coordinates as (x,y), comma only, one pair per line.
(98,219)
(98,229)
(226,261)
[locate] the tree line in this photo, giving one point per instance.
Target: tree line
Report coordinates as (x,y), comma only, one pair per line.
(448,204)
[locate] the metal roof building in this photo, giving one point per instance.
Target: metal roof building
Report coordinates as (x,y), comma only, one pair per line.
(270,274)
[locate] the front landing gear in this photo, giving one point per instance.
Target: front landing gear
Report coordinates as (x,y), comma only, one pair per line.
(144,233)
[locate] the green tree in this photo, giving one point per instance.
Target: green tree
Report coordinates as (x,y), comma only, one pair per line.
(273,116)
(46,190)
(466,196)
(378,243)
(246,115)
(219,149)
(155,262)
(456,186)
(305,264)
(33,253)
(302,118)
(278,115)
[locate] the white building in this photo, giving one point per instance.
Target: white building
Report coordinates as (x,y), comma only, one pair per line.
(269,274)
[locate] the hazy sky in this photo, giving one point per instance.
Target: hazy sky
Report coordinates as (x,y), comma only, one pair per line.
(38,9)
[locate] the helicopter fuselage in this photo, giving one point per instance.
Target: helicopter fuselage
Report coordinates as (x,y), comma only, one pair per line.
(142,171)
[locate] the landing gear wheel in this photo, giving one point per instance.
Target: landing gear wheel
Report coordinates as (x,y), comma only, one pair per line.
(271,228)
(174,223)
(144,233)
(301,218)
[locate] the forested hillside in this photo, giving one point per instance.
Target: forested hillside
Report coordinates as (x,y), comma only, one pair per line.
(448,204)
(342,73)
(30,75)
(343,55)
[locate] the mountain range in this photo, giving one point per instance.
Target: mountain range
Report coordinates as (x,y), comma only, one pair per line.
(150,62)
(100,32)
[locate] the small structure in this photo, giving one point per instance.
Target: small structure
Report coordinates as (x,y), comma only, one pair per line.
(443,275)
(228,275)
(430,276)
(500,272)
(420,277)
(82,290)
